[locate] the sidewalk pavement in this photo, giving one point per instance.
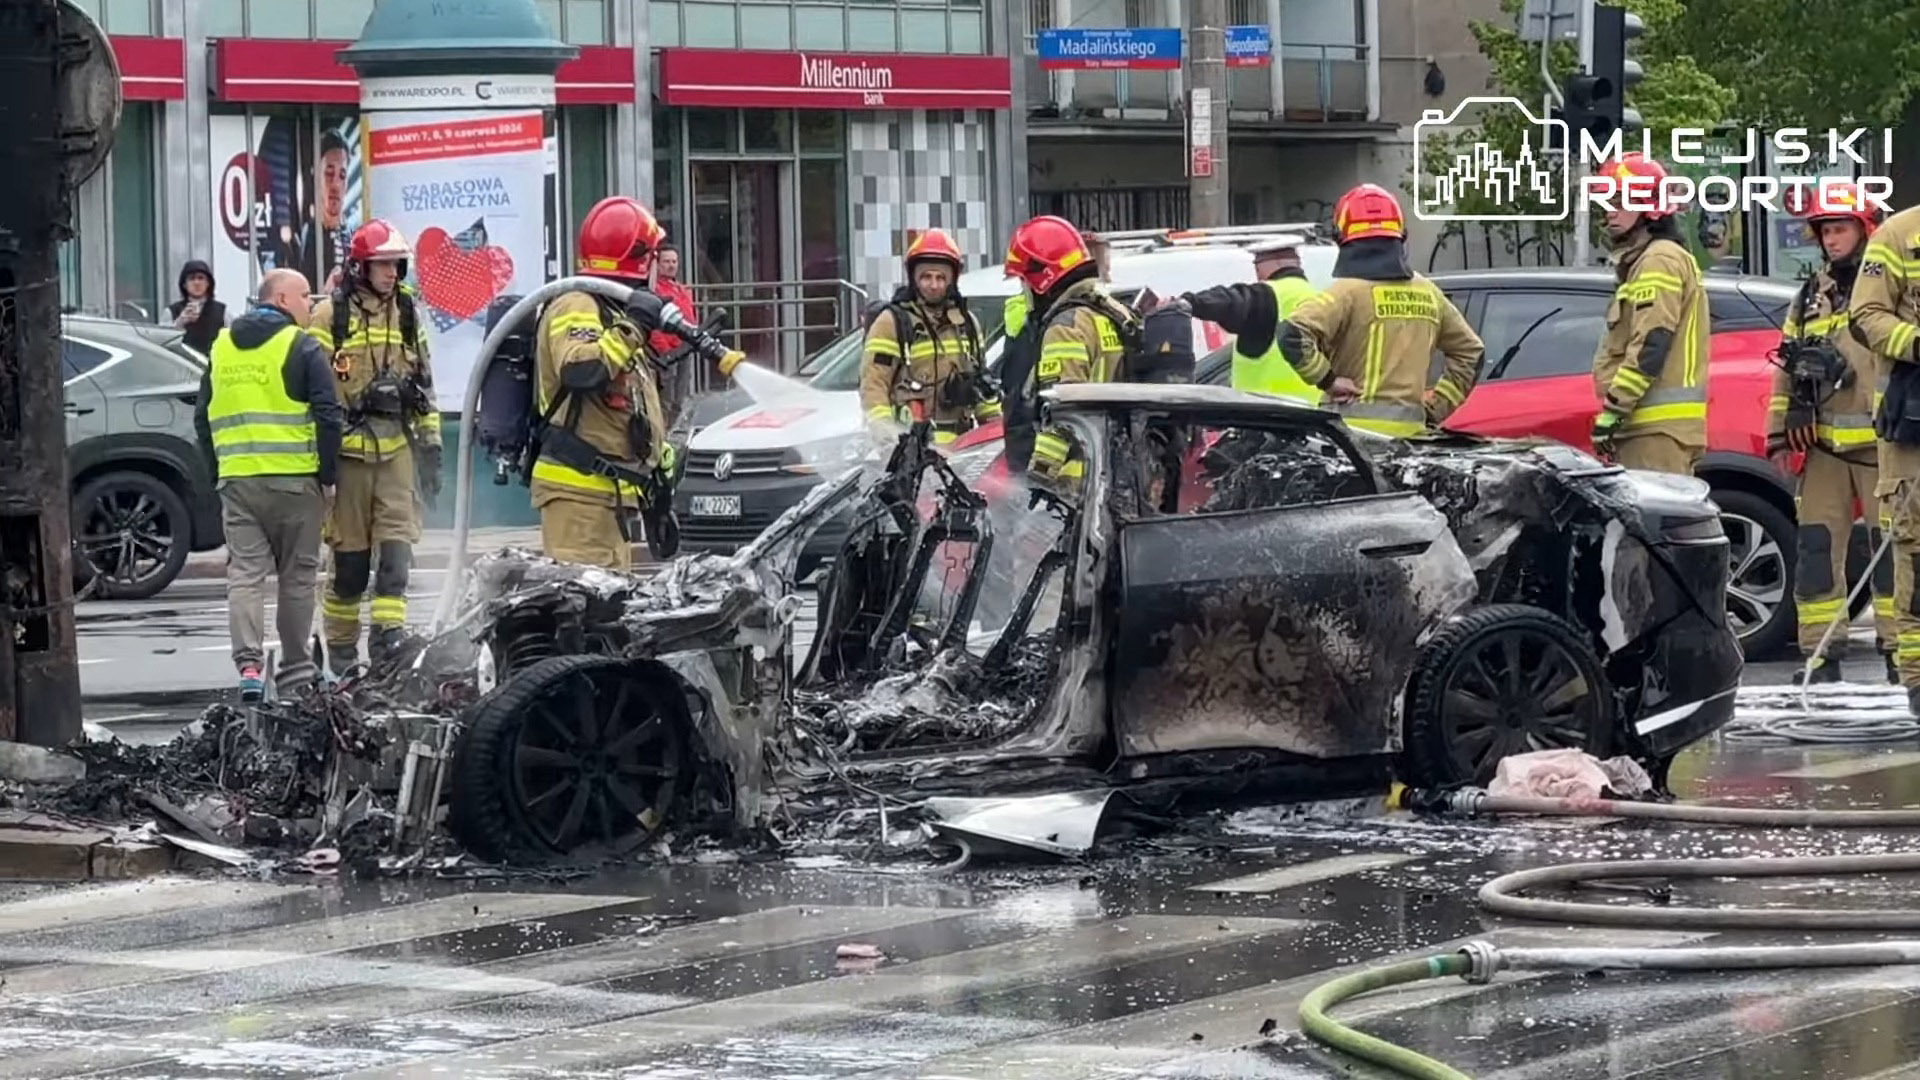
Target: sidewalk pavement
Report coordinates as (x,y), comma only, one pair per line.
(433,552)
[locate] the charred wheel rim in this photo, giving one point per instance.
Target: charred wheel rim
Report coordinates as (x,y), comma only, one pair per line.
(1757,578)
(1513,690)
(597,763)
(127,536)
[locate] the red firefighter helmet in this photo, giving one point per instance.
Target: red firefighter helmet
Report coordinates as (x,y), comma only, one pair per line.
(1639,179)
(1835,200)
(935,244)
(618,239)
(377,241)
(1368,210)
(1044,250)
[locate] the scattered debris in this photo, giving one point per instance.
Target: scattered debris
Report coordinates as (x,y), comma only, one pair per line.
(29,764)
(1569,774)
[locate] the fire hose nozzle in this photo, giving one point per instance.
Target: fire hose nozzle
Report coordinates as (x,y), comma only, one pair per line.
(1463,802)
(1484,961)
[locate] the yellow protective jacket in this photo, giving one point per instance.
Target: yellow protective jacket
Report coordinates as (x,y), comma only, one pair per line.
(1884,314)
(1652,363)
(1079,344)
(374,347)
(938,358)
(1382,335)
(601,359)
(1843,423)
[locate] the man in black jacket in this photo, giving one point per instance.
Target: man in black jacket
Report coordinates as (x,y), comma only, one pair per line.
(197,312)
(275,446)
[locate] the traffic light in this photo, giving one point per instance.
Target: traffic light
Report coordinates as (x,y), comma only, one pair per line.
(1613,28)
(1595,99)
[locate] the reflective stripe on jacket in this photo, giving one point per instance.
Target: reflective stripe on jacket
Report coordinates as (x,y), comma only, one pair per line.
(1843,423)
(258,430)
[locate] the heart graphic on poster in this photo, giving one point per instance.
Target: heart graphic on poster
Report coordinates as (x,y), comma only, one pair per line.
(462,278)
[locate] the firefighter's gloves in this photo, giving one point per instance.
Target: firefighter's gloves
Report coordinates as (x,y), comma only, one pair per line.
(730,359)
(1341,390)
(669,457)
(1801,437)
(426,466)
(1606,428)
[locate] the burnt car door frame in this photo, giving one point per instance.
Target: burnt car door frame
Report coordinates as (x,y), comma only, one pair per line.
(1224,641)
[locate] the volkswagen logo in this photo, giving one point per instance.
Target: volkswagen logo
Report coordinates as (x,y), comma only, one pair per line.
(723,466)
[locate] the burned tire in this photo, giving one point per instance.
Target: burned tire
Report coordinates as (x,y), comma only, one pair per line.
(1502,679)
(573,759)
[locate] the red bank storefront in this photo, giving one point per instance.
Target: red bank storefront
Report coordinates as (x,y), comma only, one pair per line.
(776,167)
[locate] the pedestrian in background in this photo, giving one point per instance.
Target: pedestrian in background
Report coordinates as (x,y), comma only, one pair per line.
(668,286)
(269,419)
(197,312)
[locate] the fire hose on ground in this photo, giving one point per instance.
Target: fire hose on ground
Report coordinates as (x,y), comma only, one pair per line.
(1479,961)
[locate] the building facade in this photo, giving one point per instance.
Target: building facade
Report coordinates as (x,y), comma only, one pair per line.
(788,147)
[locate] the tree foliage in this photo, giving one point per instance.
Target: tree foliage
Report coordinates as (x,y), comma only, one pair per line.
(1804,63)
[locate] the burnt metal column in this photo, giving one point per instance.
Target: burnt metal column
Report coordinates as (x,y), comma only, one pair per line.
(51,126)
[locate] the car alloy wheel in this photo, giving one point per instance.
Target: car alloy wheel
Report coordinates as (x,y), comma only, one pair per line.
(130,529)
(1757,575)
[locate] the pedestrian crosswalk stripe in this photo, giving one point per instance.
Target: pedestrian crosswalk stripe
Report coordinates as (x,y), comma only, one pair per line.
(1853,765)
(934,981)
(78,970)
(1306,873)
(130,899)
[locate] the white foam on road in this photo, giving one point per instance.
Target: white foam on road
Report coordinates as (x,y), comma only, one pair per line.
(1306,873)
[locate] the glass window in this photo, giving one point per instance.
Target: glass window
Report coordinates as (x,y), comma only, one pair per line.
(823,227)
(587,22)
(709,25)
(664,20)
(587,158)
(768,131)
(134,194)
(766,26)
(819,27)
(341,19)
(1556,332)
(145,369)
(79,358)
(872,32)
(923,31)
(278,19)
(223,18)
(967,34)
(70,298)
(550,12)
(822,132)
(1746,309)
(128,16)
(91,7)
(713,131)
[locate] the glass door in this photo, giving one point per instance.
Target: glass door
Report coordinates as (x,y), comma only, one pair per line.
(738,227)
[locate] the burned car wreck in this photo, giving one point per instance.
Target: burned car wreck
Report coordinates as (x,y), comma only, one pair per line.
(1242,602)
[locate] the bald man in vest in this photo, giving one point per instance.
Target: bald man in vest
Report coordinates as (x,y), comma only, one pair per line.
(270,423)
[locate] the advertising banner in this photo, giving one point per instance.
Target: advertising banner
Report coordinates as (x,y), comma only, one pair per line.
(468,189)
(287,192)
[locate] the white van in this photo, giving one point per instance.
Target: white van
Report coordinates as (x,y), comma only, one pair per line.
(744,469)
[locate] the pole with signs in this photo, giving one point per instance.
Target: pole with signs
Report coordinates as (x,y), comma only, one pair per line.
(1207,114)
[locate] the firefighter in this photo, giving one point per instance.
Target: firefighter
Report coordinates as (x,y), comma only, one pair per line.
(1884,314)
(922,359)
(604,456)
(1822,406)
(371,328)
(1368,338)
(1651,369)
(1080,328)
(1252,313)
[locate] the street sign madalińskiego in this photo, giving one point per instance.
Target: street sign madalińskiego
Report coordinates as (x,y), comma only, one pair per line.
(1134,48)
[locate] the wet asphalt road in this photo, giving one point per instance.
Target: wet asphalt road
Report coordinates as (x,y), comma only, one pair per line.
(1168,960)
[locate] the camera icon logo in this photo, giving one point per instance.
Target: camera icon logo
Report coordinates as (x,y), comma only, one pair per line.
(1498,186)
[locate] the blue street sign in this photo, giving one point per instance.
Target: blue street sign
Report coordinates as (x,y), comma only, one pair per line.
(1070,49)
(1249,46)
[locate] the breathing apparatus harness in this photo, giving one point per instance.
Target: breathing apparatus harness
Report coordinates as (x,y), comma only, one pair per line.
(961,395)
(1815,369)
(402,397)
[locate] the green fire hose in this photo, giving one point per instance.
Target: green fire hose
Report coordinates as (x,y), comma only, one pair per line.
(1324,1029)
